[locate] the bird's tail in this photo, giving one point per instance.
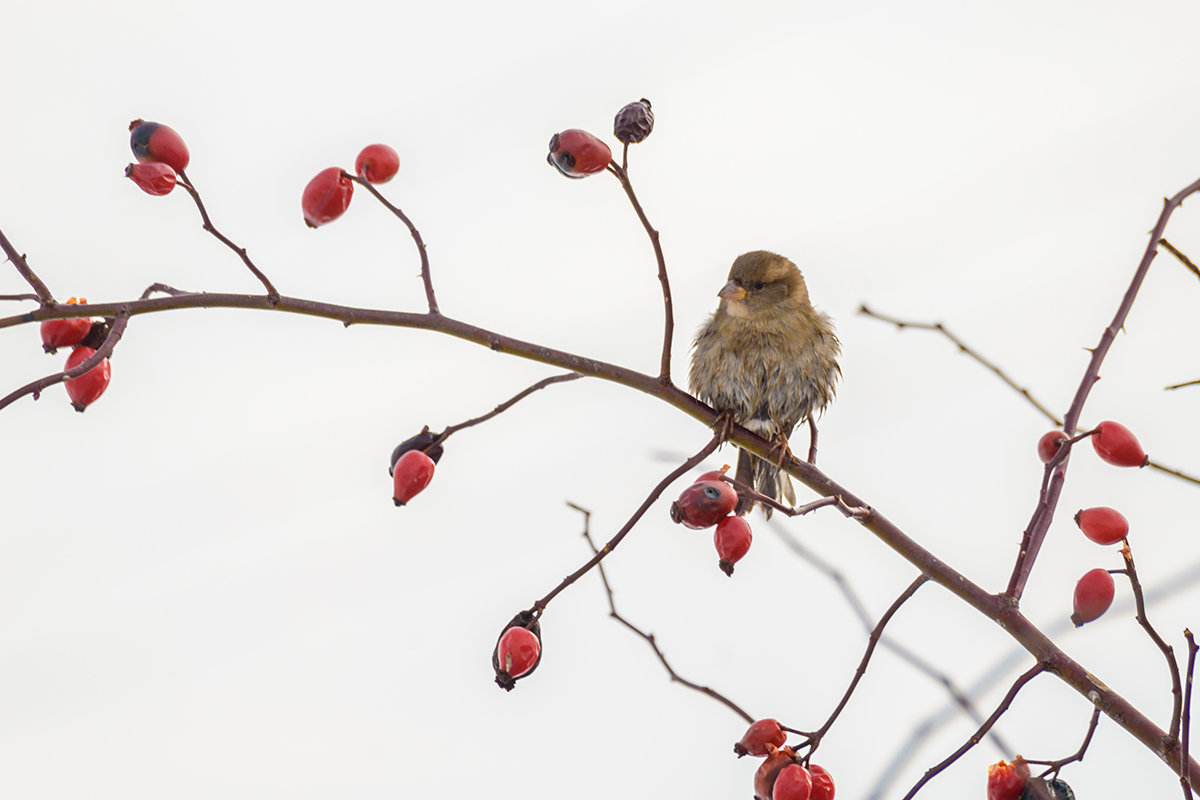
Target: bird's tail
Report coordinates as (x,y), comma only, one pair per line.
(765,478)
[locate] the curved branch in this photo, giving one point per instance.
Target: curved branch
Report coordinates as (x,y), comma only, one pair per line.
(102,352)
(430,298)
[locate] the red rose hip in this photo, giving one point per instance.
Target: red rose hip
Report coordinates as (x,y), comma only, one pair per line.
(704,504)
(1117,445)
(732,539)
(768,771)
(412,473)
(87,388)
(759,737)
(58,333)
(377,163)
(1103,525)
(577,153)
(793,783)
(1093,595)
(822,783)
(326,197)
(1047,446)
(518,650)
(153,178)
(153,141)
(1007,781)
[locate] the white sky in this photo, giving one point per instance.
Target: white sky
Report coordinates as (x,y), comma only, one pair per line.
(206,590)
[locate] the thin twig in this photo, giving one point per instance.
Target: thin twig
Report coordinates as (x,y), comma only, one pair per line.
(18,260)
(649,637)
(507,404)
(430,297)
(1053,767)
(102,352)
(1020,682)
(612,543)
(965,350)
(814,737)
(1184,776)
(162,288)
(33,297)
(272,292)
(1182,385)
(1183,259)
(622,173)
(1168,652)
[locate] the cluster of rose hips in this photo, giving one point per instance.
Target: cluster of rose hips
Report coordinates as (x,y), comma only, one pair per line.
(782,775)
(1117,445)
(577,153)
(518,650)
(81,335)
(1012,782)
(710,501)
(412,465)
(161,155)
(327,196)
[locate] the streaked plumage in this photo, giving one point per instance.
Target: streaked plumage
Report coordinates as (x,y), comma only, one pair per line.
(767,356)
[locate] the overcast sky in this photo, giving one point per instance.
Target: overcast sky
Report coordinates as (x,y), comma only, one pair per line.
(206,589)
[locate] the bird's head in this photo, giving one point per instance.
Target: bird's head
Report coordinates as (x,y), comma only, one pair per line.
(761,282)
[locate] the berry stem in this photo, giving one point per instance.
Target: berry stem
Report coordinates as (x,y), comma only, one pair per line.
(1184,776)
(507,404)
(426,278)
(622,174)
(272,292)
(1168,652)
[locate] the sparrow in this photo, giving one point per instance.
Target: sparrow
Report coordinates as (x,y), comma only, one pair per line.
(767,358)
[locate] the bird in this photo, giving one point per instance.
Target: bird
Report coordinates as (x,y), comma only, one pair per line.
(767,358)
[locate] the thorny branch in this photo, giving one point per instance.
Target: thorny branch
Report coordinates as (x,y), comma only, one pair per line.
(43,294)
(649,637)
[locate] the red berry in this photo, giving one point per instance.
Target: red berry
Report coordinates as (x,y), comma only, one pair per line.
(1007,781)
(714,475)
(732,539)
(377,163)
(1047,446)
(1103,525)
(518,651)
(768,771)
(578,153)
(58,333)
(1093,595)
(793,783)
(1116,444)
(326,197)
(422,442)
(153,141)
(153,177)
(822,783)
(411,474)
(704,504)
(758,736)
(88,387)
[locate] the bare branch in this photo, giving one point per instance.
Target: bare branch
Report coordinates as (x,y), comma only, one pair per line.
(18,260)
(1025,678)
(1184,777)
(1187,262)
(102,352)
(1168,652)
(507,404)
(649,637)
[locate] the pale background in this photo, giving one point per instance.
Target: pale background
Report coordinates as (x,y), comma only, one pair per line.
(205,590)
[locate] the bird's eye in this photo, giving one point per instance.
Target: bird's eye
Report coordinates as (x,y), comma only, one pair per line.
(758,285)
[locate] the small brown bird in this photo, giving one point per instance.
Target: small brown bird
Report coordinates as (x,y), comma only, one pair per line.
(768,357)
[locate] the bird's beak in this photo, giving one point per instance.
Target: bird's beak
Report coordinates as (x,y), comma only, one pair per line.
(731,291)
